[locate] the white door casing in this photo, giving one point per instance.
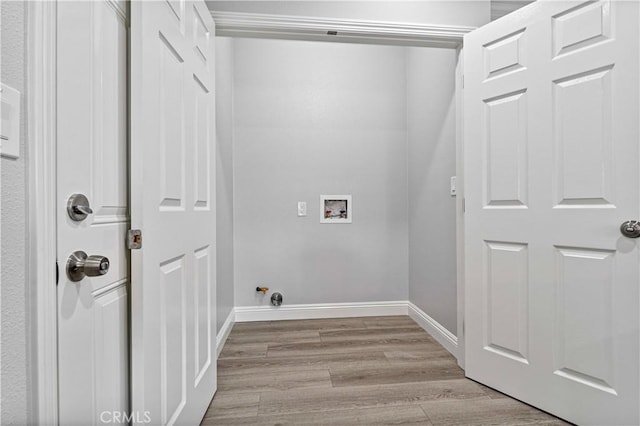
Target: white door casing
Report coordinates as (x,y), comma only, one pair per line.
(173,203)
(92,160)
(551,171)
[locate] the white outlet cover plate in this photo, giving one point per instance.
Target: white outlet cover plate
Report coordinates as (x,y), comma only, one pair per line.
(10,124)
(302,208)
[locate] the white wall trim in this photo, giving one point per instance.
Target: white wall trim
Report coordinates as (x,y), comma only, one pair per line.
(238,24)
(460,247)
(321,310)
(435,329)
(42,204)
(221,338)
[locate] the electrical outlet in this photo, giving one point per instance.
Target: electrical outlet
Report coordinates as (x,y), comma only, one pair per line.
(302,208)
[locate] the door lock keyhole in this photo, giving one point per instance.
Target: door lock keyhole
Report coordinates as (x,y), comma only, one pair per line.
(79,265)
(630,229)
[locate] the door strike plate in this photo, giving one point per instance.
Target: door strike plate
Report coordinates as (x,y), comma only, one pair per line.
(134,239)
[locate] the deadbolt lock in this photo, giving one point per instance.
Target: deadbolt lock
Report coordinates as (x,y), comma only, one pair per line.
(78,207)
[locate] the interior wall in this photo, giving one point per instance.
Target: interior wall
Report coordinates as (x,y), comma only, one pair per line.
(224,178)
(14,294)
(472,13)
(432,162)
(319,118)
(499,8)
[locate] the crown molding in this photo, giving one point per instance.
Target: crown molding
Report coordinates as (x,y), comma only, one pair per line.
(235,24)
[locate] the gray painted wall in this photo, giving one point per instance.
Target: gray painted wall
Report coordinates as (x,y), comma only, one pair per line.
(301,106)
(224,177)
(471,13)
(499,8)
(432,162)
(319,118)
(15,295)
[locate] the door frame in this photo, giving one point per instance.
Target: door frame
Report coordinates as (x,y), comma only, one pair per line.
(236,24)
(258,25)
(42,170)
(42,164)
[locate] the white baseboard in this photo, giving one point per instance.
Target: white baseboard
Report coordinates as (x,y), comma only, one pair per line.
(316,311)
(437,331)
(221,338)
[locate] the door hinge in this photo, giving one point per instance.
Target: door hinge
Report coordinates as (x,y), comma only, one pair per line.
(464,205)
(134,239)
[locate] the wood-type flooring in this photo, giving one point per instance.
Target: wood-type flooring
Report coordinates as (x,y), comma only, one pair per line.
(352,371)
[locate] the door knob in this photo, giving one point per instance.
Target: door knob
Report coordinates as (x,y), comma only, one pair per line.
(630,229)
(80,265)
(78,207)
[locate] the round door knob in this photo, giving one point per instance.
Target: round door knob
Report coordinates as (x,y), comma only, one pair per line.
(96,265)
(630,229)
(79,265)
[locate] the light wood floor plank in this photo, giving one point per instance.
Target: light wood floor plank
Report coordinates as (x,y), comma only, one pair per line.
(390,321)
(266,336)
(233,406)
(299,325)
(258,365)
(375,333)
(403,373)
(298,349)
(434,353)
(504,411)
(274,381)
(403,415)
(319,400)
(243,350)
(494,394)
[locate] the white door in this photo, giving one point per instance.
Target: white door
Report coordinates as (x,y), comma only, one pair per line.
(551,172)
(173,203)
(92,161)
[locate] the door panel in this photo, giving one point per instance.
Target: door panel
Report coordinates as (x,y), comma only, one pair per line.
(173,275)
(173,338)
(201,153)
(584,350)
(582,134)
(581,26)
(503,55)
(506,150)
(506,300)
(111,308)
(204,342)
(92,160)
(551,171)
